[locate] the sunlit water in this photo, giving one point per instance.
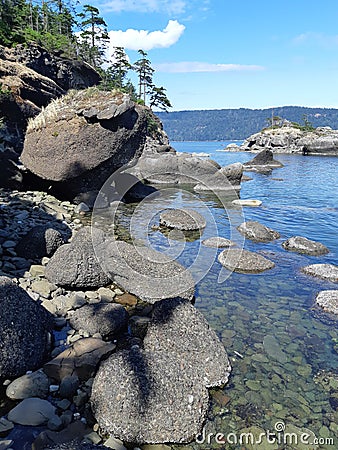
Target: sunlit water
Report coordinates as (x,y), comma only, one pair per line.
(277,340)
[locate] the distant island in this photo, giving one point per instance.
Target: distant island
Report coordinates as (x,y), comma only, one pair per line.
(232,124)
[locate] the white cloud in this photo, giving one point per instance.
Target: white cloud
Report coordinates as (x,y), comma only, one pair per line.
(146,40)
(145,6)
(194,66)
(324,40)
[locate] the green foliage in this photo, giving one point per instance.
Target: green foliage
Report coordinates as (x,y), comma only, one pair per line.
(158,98)
(152,125)
(5,94)
(307,126)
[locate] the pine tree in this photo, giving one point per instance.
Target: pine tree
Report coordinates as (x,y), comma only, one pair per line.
(159,98)
(94,36)
(145,75)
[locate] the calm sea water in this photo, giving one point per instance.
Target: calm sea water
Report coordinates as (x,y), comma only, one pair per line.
(281,348)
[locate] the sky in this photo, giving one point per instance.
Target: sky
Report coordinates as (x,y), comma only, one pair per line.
(215,54)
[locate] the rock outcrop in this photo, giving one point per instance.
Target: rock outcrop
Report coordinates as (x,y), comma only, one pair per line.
(30,78)
(80,140)
(263,162)
(187,169)
(290,139)
(25,331)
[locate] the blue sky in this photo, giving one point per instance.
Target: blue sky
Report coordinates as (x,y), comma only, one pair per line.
(213,54)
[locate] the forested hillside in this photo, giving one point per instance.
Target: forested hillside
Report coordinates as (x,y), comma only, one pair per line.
(231,124)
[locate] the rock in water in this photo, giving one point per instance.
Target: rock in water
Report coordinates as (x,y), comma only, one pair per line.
(35,384)
(257,232)
(158,393)
(218,242)
(182,219)
(303,245)
(325,271)
(328,300)
(243,261)
(246,202)
(25,331)
(264,161)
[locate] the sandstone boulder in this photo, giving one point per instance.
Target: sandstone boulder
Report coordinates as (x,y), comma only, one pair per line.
(79,141)
(108,319)
(40,241)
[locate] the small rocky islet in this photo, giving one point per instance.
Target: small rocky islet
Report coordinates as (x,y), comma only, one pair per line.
(96,339)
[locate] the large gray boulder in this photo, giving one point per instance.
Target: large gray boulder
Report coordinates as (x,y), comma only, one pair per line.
(243,261)
(144,272)
(77,142)
(25,331)
(158,393)
(76,264)
(257,232)
(227,178)
(305,246)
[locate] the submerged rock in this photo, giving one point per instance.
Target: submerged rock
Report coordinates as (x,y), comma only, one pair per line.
(325,271)
(258,232)
(243,261)
(328,300)
(305,246)
(182,219)
(25,331)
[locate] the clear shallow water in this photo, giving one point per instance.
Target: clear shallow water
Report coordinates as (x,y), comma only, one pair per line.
(277,341)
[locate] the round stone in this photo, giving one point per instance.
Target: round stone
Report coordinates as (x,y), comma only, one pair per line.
(218,242)
(328,300)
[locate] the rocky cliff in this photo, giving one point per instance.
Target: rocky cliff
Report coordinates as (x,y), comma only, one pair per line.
(290,139)
(30,78)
